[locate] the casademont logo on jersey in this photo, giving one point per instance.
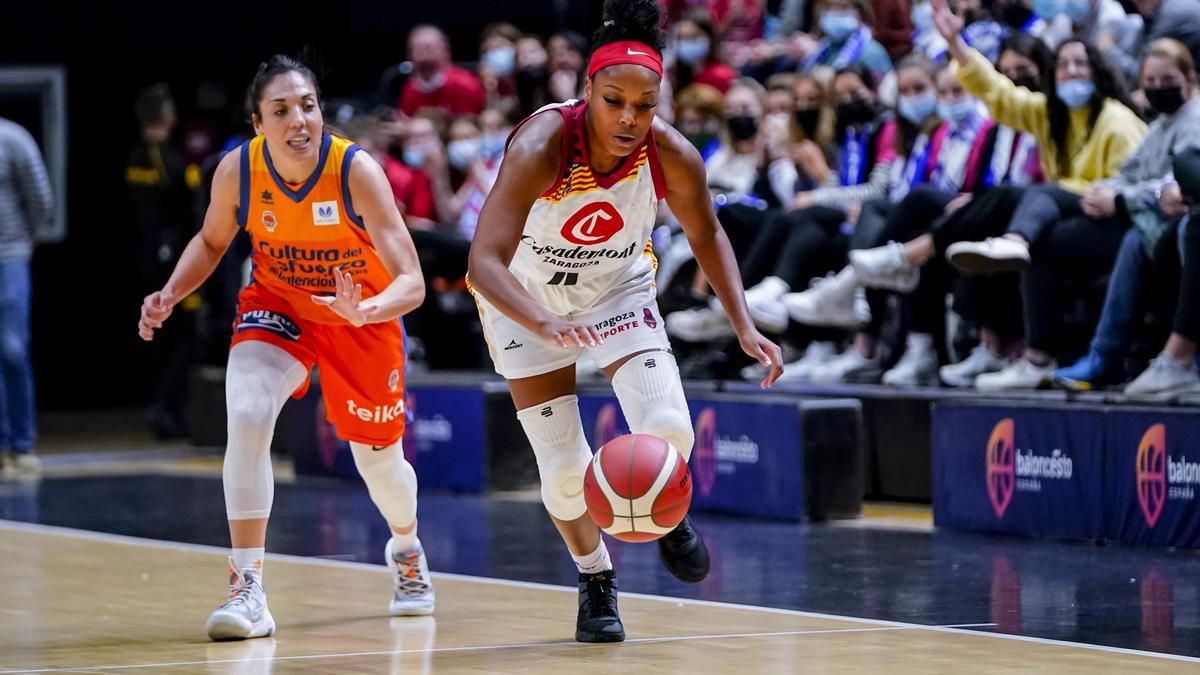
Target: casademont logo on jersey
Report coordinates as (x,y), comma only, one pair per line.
(1160,476)
(594,224)
(1011,469)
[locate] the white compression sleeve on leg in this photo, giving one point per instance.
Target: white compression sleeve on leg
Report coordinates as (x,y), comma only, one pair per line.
(391,481)
(651,396)
(556,433)
(258,381)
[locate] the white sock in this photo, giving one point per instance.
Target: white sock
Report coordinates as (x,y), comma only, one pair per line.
(594,562)
(403,543)
(250,559)
(921,341)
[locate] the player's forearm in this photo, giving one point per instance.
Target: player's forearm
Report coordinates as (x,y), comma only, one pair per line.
(403,295)
(490,277)
(195,265)
(719,264)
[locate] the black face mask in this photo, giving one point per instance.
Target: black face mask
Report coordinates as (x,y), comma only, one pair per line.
(1029,82)
(807,120)
(1015,16)
(972,15)
(857,111)
(742,127)
(1166,100)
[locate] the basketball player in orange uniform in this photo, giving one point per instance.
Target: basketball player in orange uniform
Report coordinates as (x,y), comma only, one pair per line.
(333,270)
(561,263)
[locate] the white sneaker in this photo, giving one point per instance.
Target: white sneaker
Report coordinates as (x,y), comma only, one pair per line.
(800,370)
(918,367)
(765,302)
(21,465)
(994,254)
(1163,379)
(703,324)
(979,361)
(885,267)
(413,591)
(849,366)
(1021,374)
(835,300)
(245,614)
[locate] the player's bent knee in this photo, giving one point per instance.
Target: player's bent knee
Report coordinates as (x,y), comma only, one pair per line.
(391,480)
(651,396)
(556,433)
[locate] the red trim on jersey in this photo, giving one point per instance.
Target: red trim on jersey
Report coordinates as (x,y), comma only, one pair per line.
(655,164)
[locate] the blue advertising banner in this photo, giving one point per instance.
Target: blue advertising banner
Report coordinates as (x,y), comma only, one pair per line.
(1153,478)
(444,439)
(1020,470)
(748,458)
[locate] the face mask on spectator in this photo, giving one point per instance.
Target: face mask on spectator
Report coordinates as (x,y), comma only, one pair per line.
(700,139)
(922,17)
(857,111)
(1030,82)
(462,152)
(1075,93)
(808,120)
(1047,9)
(742,127)
(1015,15)
(429,85)
(492,145)
(1165,100)
(957,111)
(500,60)
(917,109)
(837,25)
(414,157)
(692,51)
(1076,10)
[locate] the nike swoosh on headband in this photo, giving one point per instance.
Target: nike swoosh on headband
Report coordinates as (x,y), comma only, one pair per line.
(633,53)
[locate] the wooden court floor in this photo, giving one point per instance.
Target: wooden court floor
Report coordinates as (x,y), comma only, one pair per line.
(73,601)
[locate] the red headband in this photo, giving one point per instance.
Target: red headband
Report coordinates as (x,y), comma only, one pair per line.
(627,51)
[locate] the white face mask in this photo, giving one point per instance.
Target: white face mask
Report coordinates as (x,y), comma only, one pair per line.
(462,152)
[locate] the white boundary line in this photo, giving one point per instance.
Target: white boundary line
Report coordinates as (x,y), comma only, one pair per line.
(479,648)
(960,629)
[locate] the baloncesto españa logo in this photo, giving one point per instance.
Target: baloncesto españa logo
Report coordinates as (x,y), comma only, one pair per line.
(1011,469)
(1161,477)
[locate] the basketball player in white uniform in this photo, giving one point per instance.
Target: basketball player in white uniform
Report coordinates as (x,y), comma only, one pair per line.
(561,262)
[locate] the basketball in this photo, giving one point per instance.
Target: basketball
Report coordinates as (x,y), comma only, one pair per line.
(637,488)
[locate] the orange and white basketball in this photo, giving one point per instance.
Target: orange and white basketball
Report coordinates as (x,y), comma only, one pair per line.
(637,487)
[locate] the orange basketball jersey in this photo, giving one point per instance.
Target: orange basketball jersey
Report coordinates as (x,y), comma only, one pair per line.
(301,233)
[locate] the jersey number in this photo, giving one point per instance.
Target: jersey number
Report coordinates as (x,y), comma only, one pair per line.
(564,279)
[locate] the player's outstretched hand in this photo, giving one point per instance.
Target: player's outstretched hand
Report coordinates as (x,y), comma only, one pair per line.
(569,334)
(346,299)
(155,309)
(765,352)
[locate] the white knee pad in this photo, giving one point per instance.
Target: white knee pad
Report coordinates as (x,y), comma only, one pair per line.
(651,396)
(258,381)
(391,481)
(556,434)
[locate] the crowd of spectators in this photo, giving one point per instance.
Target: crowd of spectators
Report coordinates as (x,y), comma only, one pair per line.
(977,195)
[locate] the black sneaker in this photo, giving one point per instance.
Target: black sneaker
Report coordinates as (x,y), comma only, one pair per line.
(598,620)
(683,552)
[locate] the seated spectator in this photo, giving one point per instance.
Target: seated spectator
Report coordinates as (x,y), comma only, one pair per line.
(533,75)
(1091,130)
(1178,19)
(567,53)
(498,63)
(699,114)
(846,39)
(698,58)
(1008,161)
(410,185)
(435,82)
(1103,23)
(893,28)
(1168,77)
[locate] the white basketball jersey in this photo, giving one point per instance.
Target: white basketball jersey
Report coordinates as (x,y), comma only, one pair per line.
(590,232)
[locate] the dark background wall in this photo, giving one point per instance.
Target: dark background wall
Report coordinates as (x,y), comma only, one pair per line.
(86,291)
